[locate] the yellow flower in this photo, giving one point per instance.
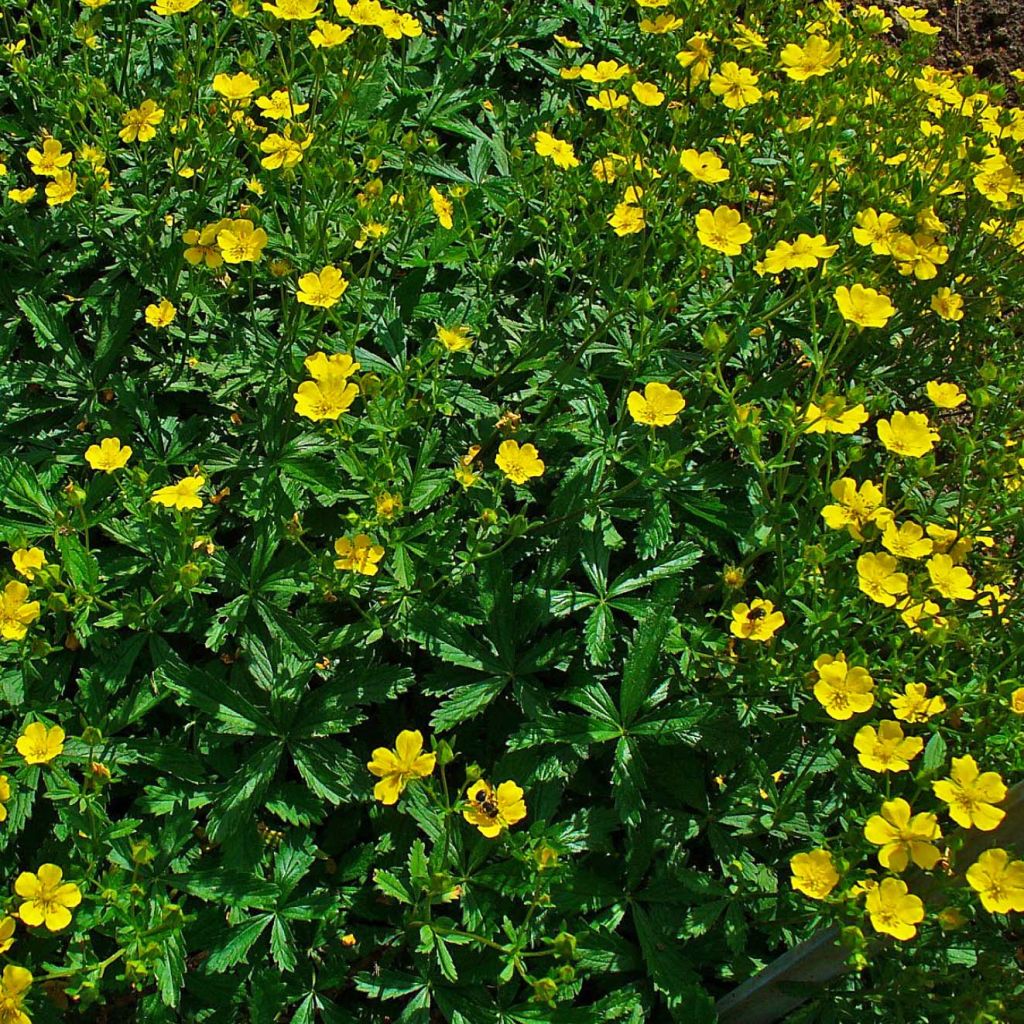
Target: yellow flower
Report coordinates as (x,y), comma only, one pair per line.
(648,94)
(294,10)
(235,87)
(283,150)
(952,581)
(887,749)
(494,810)
(1017,701)
(518,464)
(279,104)
(893,910)
(856,507)
(864,306)
(182,495)
(833,417)
(660,25)
(326,34)
(61,189)
(972,795)
(658,406)
(160,314)
(735,85)
(877,577)
(603,71)
(7,924)
(816,57)
(917,20)
(443,209)
(202,245)
(140,123)
(903,838)
(608,99)
(757,621)
(814,874)
(569,44)
(108,455)
(947,304)
(358,554)
(455,339)
(945,396)
(914,704)
(998,881)
(628,217)
(17,613)
(240,241)
(560,151)
(322,289)
(704,166)
(21,195)
(387,504)
(697,57)
(49,161)
(39,745)
(906,541)
(330,392)
(168,7)
(907,434)
(396,768)
(841,690)
(47,900)
(913,615)
(28,561)
(723,230)
(14,983)
(801,254)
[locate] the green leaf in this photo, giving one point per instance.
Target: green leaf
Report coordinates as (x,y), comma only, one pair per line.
(639,670)
(390,885)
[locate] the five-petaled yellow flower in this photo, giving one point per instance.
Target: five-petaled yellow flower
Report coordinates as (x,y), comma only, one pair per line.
(904,838)
(330,393)
(886,749)
(972,795)
(323,288)
(723,230)
(40,745)
(494,810)
(160,314)
(736,86)
(17,612)
(756,621)
(108,455)
(140,123)
(28,561)
(14,984)
(48,900)
(831,415)
(236,87)
(945,395)
(396,768)
(454,339)
(358,554)
(813,873)
(856,507)
(443,207)
(560,151)
(877,577)
(240,241)
(998,881)
(658,406)
(842,690)
(914,704)
(907,434)
(864,307)
(181,495)
(894,910)
(518,464)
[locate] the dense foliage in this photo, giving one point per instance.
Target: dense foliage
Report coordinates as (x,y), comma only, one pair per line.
(510,511)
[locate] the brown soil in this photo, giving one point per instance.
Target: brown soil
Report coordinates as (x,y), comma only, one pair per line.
(988,34)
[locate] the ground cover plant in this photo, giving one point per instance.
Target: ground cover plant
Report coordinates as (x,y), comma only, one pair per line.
(509,511)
